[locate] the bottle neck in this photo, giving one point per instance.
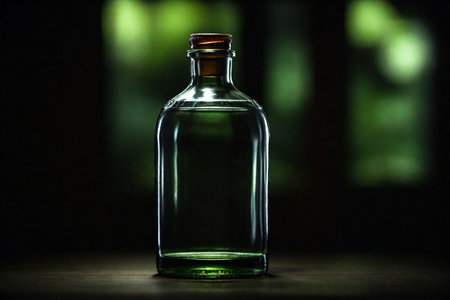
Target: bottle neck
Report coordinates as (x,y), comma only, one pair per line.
(211,69)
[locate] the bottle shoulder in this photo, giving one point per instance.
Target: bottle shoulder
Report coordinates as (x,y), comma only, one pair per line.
(197,97)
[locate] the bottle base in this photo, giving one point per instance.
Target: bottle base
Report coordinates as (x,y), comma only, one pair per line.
(212,264)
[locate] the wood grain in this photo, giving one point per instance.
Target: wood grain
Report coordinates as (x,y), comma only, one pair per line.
(134,276)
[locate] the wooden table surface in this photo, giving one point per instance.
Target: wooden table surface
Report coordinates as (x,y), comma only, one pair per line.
(131,276)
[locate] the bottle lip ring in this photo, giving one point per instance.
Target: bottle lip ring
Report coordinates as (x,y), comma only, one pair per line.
(200,52)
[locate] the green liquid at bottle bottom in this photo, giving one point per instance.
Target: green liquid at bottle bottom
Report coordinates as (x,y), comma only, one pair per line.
(212,264)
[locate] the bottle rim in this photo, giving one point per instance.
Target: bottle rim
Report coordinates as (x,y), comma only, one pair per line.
(193,53)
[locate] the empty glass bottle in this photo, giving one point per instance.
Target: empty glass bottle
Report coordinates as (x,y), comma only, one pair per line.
(212,172)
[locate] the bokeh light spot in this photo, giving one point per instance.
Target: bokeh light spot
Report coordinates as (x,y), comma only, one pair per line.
(406,54)
(369,22)
(288,81)
(126,26)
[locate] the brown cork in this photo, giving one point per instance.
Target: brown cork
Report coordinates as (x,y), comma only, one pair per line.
(213,41)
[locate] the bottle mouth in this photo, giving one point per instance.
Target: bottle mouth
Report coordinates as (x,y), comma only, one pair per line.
(210,53)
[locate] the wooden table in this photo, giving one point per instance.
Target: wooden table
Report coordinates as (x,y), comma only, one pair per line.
(130,276)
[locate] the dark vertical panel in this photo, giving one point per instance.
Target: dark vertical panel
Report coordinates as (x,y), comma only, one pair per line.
(53,132)
(328,117)
(440,206)
(330,79)
(252,61)
(439,17)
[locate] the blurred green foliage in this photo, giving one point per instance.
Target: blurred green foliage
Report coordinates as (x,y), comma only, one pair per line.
(145,47)
(369,21)
(287,92)
(388,91)
(388,87)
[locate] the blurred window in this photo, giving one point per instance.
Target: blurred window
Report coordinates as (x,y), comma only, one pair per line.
(390,58)
(145,46)
(389,87)
(287,93)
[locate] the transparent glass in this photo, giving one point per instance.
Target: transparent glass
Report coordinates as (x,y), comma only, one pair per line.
(212,176)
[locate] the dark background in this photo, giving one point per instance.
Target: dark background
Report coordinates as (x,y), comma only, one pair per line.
(58,191)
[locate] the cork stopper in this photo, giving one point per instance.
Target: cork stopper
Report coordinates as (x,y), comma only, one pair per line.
(212,41)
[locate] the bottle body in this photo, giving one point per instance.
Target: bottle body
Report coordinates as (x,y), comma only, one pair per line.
(212,177)
(212,181)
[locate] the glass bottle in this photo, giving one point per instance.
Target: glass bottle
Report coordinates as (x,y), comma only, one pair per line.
(212,172)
